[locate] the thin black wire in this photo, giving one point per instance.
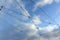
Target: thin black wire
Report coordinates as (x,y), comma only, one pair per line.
(20,6)
(47,14)
(23,9)
(12,24)
(14,11)
(24,15)
(29,16)
(12,15)
(16,16)
(9,23)
(48,17)
(4,7)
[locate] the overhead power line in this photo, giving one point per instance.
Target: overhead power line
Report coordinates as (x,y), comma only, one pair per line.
(47,14)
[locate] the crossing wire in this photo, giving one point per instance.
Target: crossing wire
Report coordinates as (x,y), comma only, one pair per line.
(28,16)
(46,13)
(31,17)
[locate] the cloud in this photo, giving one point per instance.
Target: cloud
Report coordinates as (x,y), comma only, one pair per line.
(49,28)
(50,32)
(36,20)
(44,2)
(32,33)
(22,8)
(28,31)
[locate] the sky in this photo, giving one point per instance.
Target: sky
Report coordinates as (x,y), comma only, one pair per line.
(30,20)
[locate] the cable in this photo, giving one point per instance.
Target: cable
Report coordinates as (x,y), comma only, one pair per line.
(21,6)
(12,24)
(46,14)
(14,11)
(23,10)
(10,14)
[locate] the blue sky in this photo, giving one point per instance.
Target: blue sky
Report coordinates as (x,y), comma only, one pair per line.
(50,9)
(30,20)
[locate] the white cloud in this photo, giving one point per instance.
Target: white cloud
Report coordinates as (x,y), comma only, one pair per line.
(22,8)
(49,31)
(44,2)
(36,20)
(31,28)
(49,28)
(25,31)
(28,31)
(32,31)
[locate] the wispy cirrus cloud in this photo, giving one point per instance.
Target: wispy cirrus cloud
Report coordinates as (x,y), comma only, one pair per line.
(29,31)
(22,8)
(44,2)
